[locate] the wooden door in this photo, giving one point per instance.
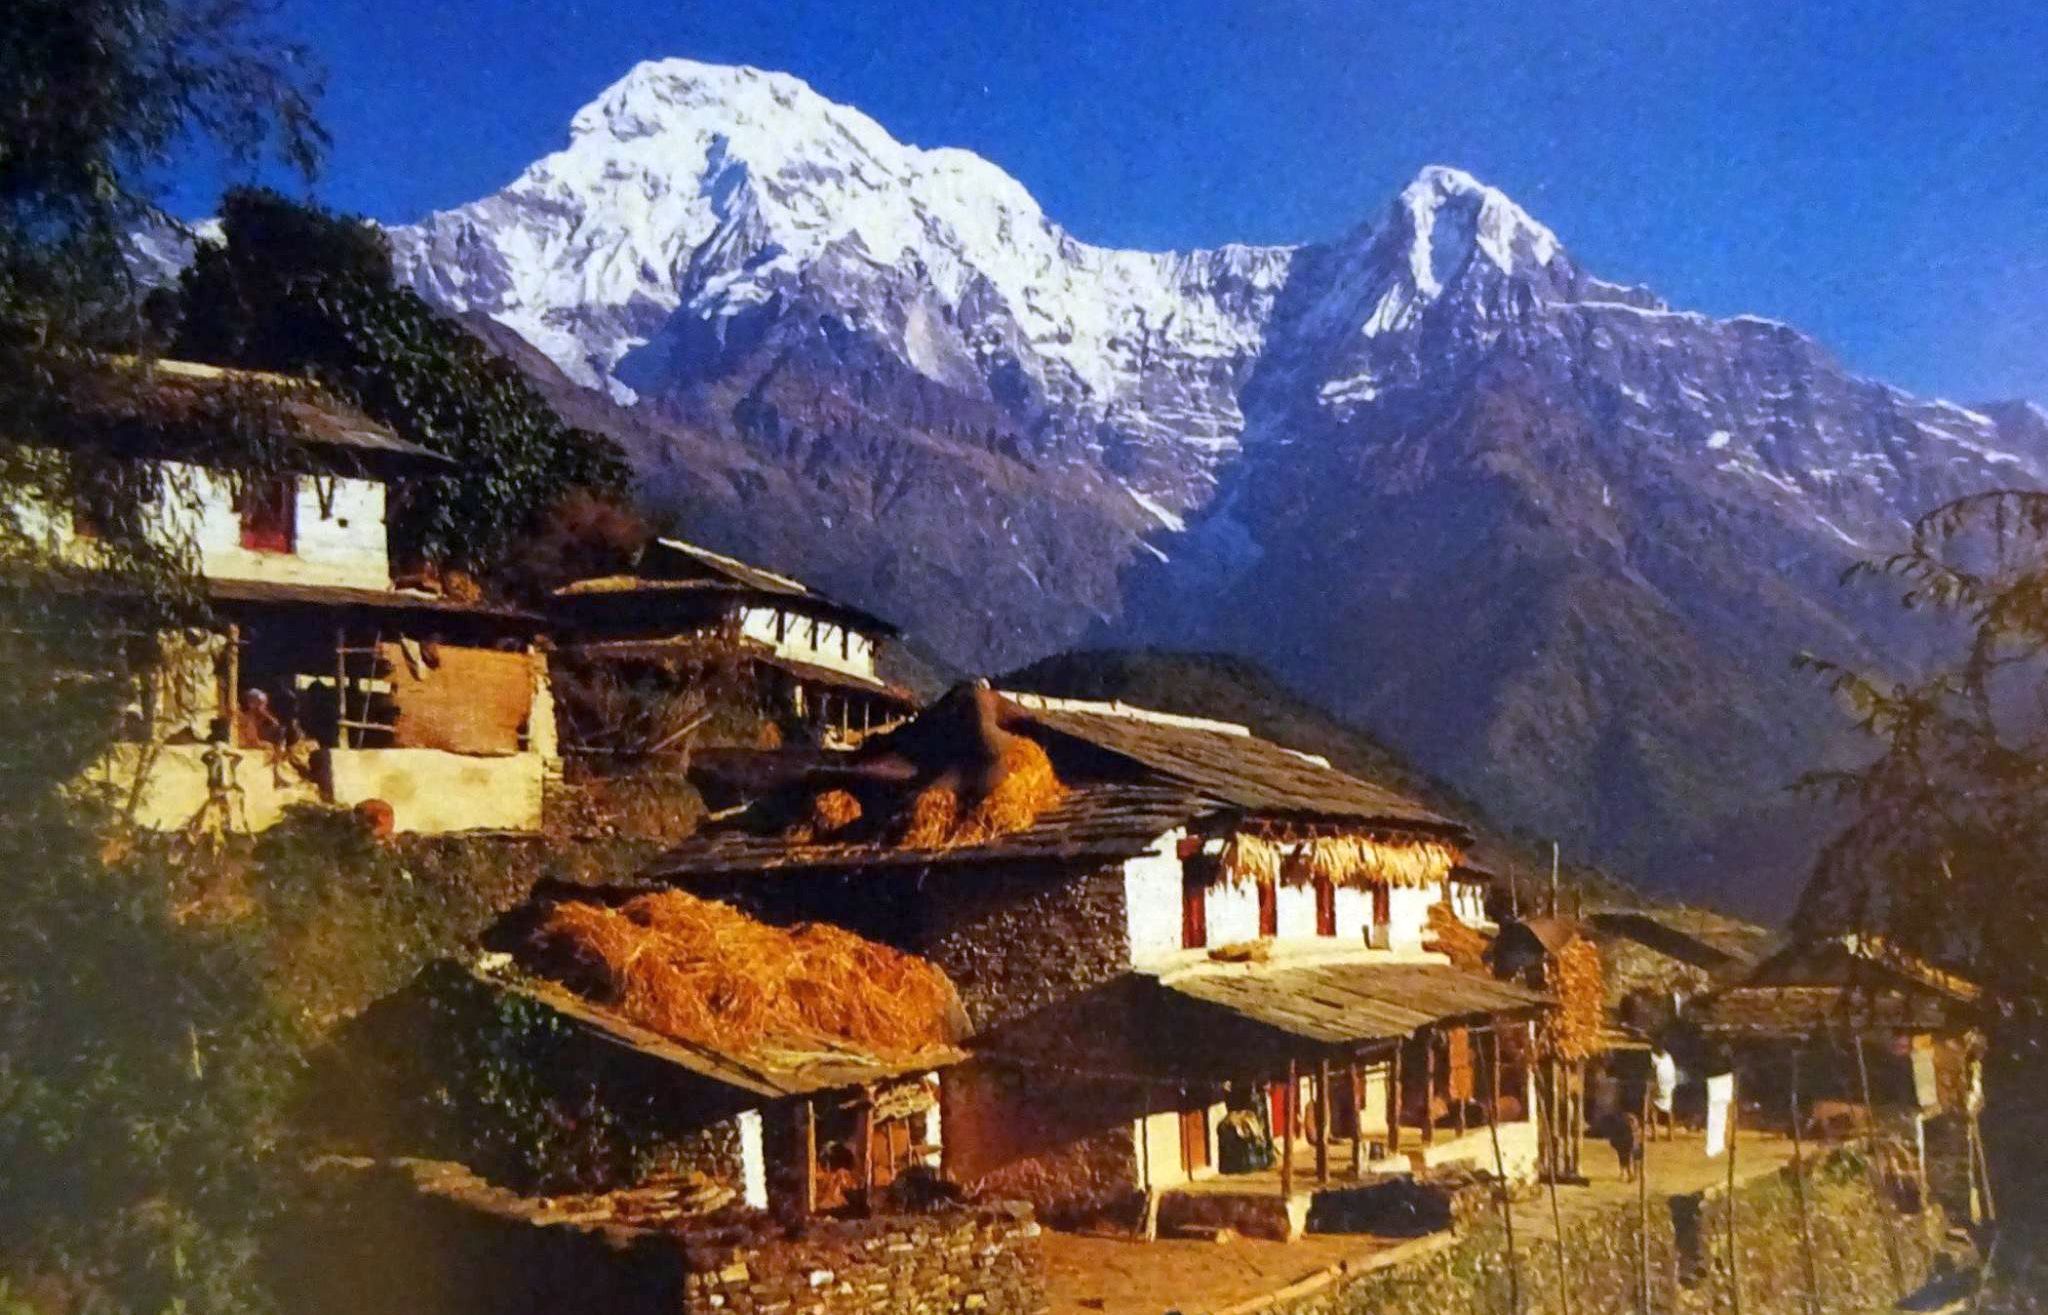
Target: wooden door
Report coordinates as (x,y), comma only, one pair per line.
(1194,1141)
(1282,1104)
(1269,909)
(1194,909)
(1326,907)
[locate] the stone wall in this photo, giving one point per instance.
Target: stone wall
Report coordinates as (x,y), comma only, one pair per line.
(978,1259)
(430,1238)
(1688,1259)
(1017,940)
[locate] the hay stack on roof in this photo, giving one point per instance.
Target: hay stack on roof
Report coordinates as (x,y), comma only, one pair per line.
(699,971)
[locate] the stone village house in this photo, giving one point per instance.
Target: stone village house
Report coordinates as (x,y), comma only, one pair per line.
(323,681)
(1203,916)
(812,662)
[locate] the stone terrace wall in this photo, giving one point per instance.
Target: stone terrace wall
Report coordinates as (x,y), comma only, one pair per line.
(430,1238)
(1471,1274)
(963,1260)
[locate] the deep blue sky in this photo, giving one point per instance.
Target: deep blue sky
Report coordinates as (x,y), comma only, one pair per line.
(1873,171)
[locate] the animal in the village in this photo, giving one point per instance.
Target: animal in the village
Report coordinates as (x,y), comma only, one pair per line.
(1624,1132)
(1836,1119)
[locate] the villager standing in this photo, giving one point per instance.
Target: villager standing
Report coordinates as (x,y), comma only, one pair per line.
(1663,1094)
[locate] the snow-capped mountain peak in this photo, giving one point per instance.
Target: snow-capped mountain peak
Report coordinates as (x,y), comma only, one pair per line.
(1448,215)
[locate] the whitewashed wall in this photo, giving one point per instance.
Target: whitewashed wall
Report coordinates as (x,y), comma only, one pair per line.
(340,538)
(1233,913)
(1408,916)
(808,639)
(1152,899)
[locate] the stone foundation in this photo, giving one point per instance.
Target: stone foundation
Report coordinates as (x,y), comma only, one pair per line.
(430,1238)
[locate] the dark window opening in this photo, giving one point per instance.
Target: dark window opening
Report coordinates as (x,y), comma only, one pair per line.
(269,510)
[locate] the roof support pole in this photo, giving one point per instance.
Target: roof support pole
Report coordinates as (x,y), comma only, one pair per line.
(1507,1209)
(1291,1116)
(1428,1086)
(1323,1119)
(1357,1120)
(864,1148)
(1394,1101)
(807,1148)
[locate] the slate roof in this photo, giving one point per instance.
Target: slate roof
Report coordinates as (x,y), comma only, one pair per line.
(1797,1012)
(336,596)
(766,1071)
(1705,940)
(673,566)
(1094,822)
(1233,767)
(1342,1003)
(325,421)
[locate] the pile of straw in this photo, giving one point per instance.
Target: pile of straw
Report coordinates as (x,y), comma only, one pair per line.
(1573,975)
(1449,935)
(697,970)
(1023,786)
(831,812)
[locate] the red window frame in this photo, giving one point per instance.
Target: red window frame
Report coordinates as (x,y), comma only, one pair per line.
(1382,905)
(269,511)
(1269,909)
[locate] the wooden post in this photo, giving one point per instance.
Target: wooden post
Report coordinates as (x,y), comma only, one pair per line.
(864,1150)
(1564,1287)
(1507,1207)
(341,731)
(234,680)
(807,1142)
(1357,1120)
(1876,1172)
(1734,1249)
(1464,1036)
(1428,1087)
(1799,1194)
(1983,1167)
(1322,1081)
(1394,1102)
(1290,1106)
(1643,1211)
(1145,1136)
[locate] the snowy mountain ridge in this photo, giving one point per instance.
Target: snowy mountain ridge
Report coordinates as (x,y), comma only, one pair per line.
(1551,536)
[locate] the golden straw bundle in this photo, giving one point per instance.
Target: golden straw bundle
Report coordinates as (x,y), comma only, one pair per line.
(1573,975)
(698,970)
(1249,860)
(1024,787)
(1359,860)
(832,811)
(1449,935)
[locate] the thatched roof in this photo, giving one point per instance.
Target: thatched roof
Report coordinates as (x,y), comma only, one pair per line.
(1229,765)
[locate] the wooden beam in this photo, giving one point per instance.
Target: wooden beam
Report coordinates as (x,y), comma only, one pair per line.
(1507,1208)
(807,1140)
(1322,1130)
(864,1152)
(1394,1102)
(1357,1120)
(1293,1116)
(1428,1087)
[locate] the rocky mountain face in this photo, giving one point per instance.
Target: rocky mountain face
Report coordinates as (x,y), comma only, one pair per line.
(1553,538)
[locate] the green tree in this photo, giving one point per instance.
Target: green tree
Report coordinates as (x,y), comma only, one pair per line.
(139,1062)
(1947,832)
(296,289)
